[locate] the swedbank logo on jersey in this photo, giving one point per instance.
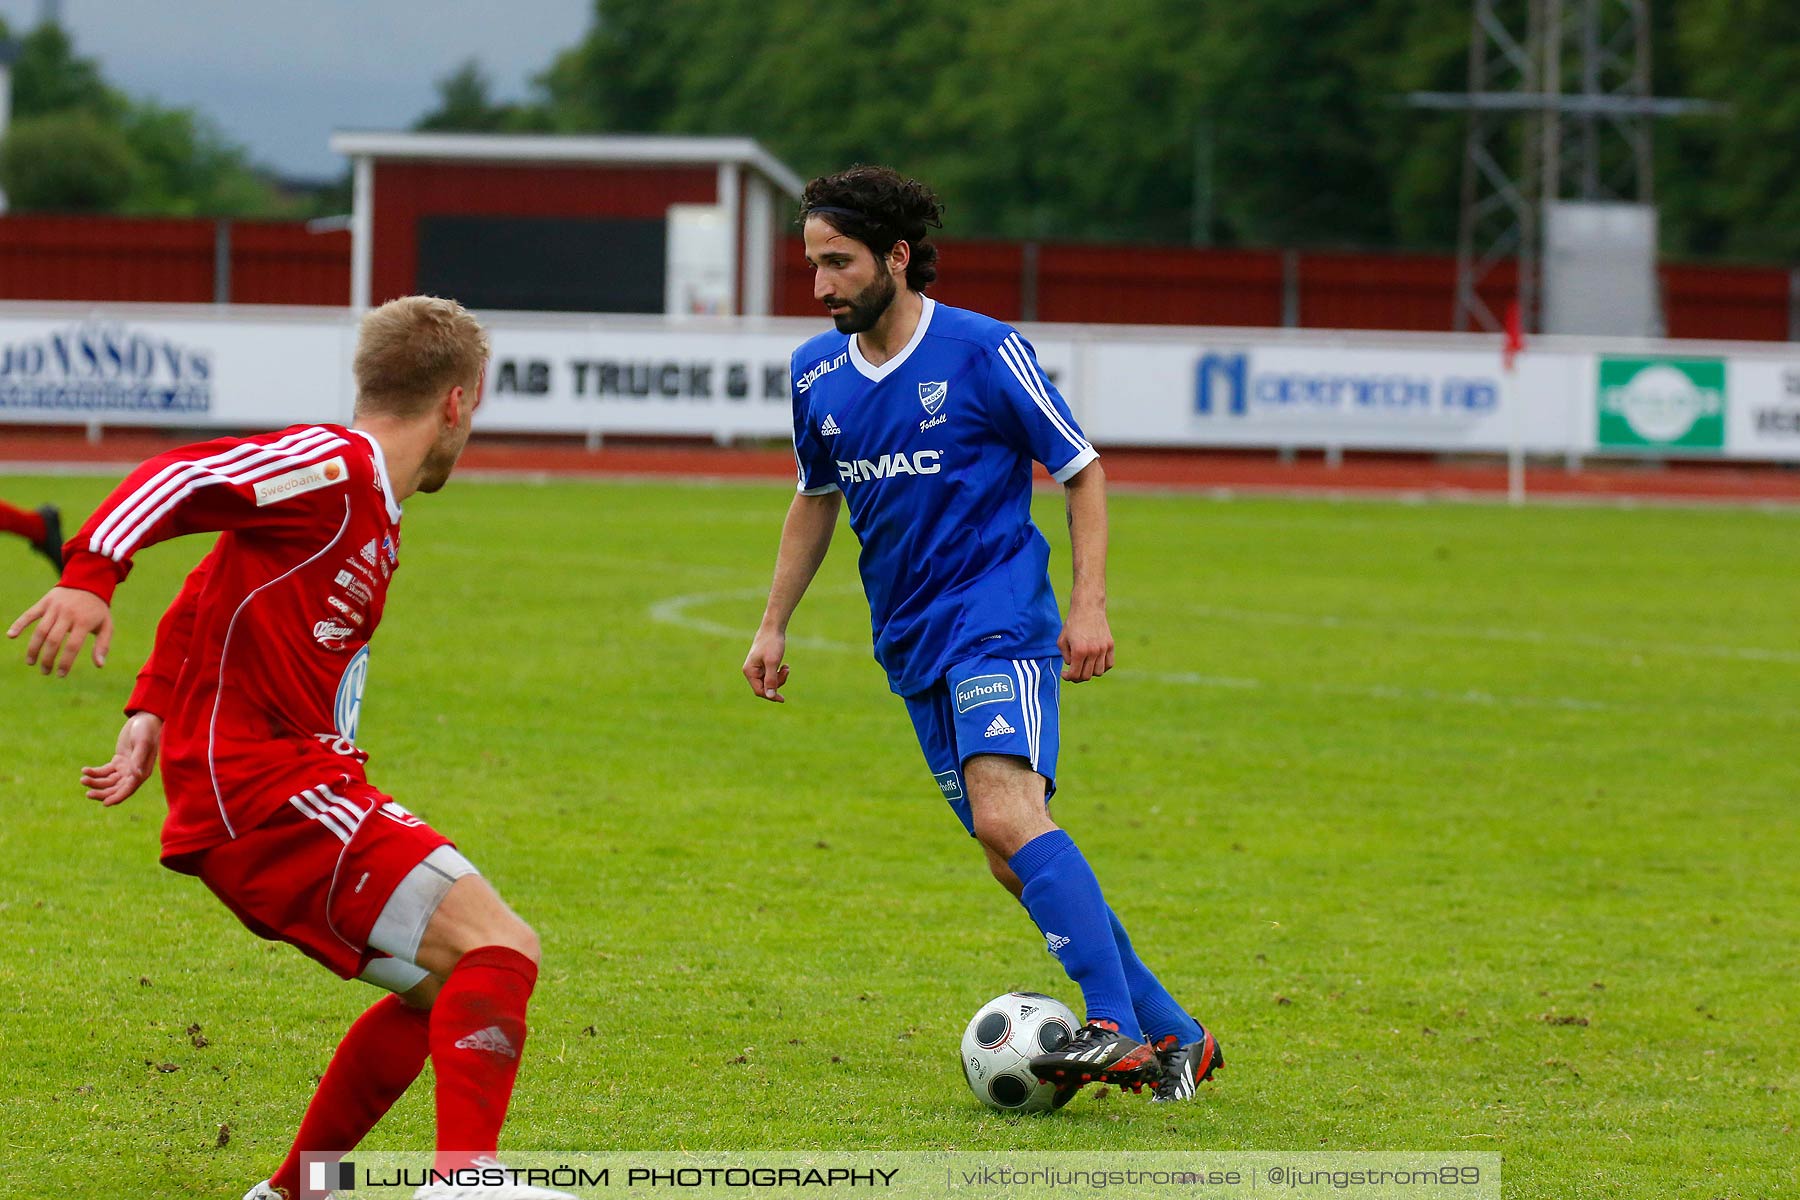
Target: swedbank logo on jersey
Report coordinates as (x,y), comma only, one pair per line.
(105,367)
(924,462)
(983,689)
(302,480)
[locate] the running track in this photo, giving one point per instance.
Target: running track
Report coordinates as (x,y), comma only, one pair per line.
(1357,475)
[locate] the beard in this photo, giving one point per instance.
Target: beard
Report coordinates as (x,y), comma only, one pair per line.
(434,473)
(867,306)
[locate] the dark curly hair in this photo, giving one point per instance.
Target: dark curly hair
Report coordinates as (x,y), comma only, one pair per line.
(878,207)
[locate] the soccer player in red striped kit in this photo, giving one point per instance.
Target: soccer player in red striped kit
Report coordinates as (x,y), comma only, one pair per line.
(252,694)
(43,529)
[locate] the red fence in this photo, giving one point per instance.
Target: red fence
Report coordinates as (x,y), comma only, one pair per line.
(281,262)
(1321,290)
(172,260)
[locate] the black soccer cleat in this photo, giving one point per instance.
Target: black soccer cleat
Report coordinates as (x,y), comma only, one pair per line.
(1097,1054)
(51,546)
(1184,1068)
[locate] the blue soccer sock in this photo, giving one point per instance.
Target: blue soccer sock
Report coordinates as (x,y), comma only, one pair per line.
(1063,897)
(1157,1011)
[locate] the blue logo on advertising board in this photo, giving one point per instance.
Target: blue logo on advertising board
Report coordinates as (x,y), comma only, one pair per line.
(105,367)
(1224,385)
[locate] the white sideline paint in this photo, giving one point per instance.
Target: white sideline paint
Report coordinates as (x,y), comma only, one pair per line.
(1402,695)
(676,611)
(1477,633)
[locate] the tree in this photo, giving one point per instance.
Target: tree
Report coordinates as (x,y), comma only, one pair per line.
(466,103)
(49,78)
(67,162)
(79,145)
(1059,118)
(189,168)
(1730,179)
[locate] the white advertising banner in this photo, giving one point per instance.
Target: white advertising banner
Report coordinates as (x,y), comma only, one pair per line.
(1762,414)
(1216,393)
(717,382)
(727,379)
(113,368)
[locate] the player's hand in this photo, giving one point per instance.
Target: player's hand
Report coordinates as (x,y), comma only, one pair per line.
(1086,644)
(64,618)
(131,763)
(764,668)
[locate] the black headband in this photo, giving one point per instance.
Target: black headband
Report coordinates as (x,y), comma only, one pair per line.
(829,210)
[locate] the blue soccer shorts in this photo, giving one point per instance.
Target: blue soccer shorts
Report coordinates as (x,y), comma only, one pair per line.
(988,706)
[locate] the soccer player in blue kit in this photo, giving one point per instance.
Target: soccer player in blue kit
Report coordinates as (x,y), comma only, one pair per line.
(927,419)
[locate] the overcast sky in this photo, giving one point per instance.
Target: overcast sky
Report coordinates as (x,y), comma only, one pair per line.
(279,77)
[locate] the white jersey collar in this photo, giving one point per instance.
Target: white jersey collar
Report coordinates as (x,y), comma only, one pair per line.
(381,475)
(887,368)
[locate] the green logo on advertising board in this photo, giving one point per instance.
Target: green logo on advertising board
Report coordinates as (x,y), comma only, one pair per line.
(1678,403)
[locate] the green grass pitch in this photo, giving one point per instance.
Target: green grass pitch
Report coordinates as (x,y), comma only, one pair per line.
(1465,828)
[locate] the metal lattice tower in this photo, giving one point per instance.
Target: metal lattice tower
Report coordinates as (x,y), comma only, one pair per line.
(1559,107)
(1603,46)
(1500,194)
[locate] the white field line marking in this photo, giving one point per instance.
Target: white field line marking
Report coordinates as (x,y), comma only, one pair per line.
(676,611)
(1378,691)
(1476,633)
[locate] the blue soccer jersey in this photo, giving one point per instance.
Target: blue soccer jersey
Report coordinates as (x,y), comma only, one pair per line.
(933,452)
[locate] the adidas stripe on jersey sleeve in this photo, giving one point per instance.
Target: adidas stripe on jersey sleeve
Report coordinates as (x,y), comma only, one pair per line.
(1031,415)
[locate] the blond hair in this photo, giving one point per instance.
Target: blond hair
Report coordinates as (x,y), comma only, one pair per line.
(412,350)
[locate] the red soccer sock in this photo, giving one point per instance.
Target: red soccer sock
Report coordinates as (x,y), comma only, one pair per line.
(374,1065)
(27,525)
(477,1033)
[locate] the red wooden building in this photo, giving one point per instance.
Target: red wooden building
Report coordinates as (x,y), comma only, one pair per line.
(567,223)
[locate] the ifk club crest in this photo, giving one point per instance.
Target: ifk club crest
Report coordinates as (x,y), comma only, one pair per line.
(931,395)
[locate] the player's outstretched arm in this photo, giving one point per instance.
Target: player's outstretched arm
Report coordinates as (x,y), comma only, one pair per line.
(1087,641)
(65,618)
(132,760)
(805,537)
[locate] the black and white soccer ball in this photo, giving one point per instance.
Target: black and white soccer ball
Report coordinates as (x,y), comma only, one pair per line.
(1003,1038)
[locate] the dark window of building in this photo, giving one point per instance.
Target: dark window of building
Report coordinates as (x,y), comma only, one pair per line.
(549,264)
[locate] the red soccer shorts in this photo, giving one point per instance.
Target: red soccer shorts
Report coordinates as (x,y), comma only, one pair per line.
(319,872)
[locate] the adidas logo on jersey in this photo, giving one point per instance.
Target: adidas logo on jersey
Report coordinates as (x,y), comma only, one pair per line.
(493,1039)
(998,727)
(829,427)
(1052,942)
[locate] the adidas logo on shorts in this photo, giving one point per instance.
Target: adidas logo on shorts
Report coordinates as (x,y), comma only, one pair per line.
(998,727)
(492,1039)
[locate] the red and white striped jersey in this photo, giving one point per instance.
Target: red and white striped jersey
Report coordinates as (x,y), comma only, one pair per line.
(259,664)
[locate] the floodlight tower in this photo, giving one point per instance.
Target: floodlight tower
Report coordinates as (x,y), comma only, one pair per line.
(1558,155)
